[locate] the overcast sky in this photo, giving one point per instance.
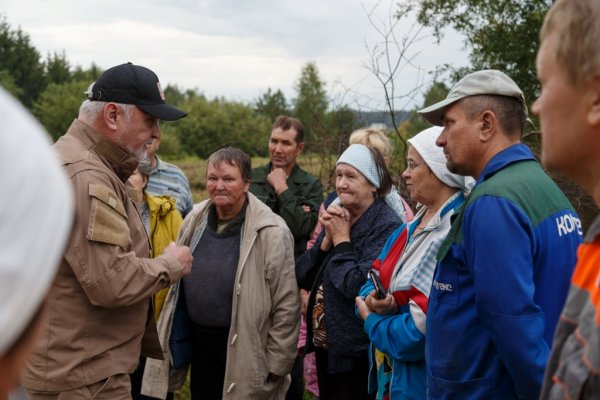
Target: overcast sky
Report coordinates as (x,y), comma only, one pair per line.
(236,49)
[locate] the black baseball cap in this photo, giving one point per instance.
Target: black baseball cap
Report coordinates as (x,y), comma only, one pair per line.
(134,84)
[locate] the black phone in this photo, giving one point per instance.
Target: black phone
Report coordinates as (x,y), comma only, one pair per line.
(380,292)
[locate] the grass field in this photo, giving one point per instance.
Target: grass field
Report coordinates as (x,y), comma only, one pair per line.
(195,169)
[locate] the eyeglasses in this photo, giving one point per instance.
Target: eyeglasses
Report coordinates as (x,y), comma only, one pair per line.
(410,165)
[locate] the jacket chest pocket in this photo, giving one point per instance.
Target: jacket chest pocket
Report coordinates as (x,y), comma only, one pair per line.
(445,286)
(108,219)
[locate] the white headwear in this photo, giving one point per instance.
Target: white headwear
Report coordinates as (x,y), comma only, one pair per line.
(36,210)
(433,155)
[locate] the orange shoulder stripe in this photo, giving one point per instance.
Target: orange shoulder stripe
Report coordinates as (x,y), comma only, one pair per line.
(586,275)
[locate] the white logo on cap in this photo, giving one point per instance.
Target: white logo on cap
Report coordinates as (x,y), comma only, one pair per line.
(160,91)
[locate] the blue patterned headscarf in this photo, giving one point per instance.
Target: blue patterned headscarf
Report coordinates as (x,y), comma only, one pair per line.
(359,156)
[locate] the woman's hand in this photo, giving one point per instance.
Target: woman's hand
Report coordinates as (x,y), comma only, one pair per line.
(326,243)
(337,210)
(361,306)
(370,304)
(336,222)
(384,306)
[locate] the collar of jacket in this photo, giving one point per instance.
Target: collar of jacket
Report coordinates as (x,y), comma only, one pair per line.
(120,161)
(258,216)
(160,164)
(514,153)
(364,224)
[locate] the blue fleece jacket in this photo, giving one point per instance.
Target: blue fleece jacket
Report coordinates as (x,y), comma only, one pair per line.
(501,282)
(397,335)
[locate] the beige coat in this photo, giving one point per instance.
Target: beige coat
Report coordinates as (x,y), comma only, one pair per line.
(99,302)
(265,310)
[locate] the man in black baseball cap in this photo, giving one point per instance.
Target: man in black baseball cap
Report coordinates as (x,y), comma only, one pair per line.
(134,84)
(134,95)
(99,303)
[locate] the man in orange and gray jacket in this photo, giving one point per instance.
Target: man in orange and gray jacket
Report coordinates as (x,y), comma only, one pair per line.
(99,309)
(568,67)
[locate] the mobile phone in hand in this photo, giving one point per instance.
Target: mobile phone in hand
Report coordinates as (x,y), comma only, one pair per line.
(380,292)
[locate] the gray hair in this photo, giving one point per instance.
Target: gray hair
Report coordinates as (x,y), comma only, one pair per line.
(234,157)
(89,110)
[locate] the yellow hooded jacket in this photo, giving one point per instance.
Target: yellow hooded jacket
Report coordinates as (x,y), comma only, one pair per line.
(165,222)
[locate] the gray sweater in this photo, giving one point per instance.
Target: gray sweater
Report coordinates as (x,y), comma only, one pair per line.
(209,288)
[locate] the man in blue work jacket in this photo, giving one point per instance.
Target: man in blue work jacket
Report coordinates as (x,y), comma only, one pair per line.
(503,271)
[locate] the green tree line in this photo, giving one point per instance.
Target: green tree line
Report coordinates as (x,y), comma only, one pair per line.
(53,91)
(501,34)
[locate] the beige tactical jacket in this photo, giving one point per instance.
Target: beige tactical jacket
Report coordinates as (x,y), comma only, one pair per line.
(99,301)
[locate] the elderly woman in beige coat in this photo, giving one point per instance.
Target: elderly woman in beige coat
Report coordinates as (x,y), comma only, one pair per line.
(241,297)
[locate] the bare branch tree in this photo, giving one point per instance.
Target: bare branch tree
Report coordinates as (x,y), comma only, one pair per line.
(391,55)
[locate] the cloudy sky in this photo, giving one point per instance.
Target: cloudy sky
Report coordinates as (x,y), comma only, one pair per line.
(232,48)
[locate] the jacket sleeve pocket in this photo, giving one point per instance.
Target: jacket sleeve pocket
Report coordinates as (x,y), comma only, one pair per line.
(108,219)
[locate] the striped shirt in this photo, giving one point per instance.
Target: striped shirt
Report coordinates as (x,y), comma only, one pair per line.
(169,179)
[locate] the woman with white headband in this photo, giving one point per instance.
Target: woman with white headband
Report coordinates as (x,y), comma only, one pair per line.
(405,267)
(355,229)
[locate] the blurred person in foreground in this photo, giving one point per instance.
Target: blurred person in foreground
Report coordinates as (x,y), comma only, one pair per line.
(396,323)
(355,226)
(242,297)
(36,212)
(568,67)
(162,222)
(100,314)
(503,271)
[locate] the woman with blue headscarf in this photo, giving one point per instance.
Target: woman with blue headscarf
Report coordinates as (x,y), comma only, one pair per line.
(356,226)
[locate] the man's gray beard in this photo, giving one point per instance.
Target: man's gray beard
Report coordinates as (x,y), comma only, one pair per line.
(145,165)
(140,154)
